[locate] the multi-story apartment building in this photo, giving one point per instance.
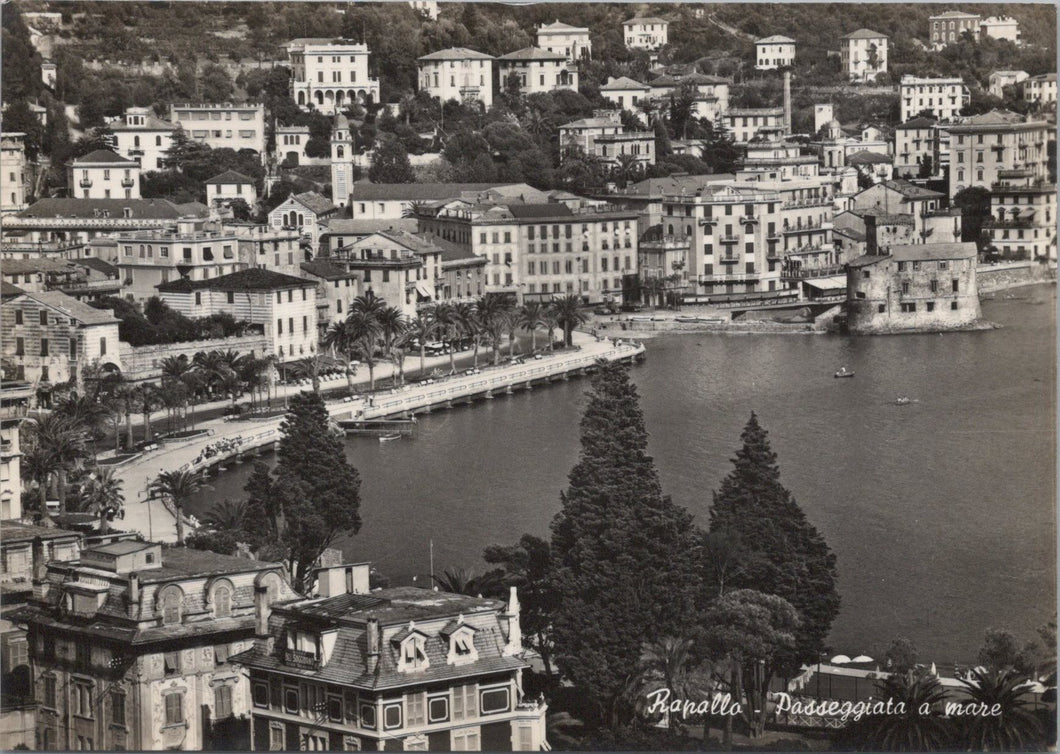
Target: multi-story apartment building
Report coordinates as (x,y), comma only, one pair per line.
(10,471)
(646,33)
(303,212)
(50,337)
(13,184)
(533,70)
(537,251)
(284,306)
(947,28)
(626,93)
(231,186)
(1022,222)
(863,54)
(139,135)
(102,174)
(931,221)
(401,668)
(570,41)
(776,160)
(735,233)
(403,269)
(1000,79)
(67,220)
(130,645)
(604,136)
(428,8)
(329,74)
(710,99)
(84,280)
(1039,90)
(835,145)
(268,248)
(915,143)
(745,124)
(291,142)
(458,74)
(393,201)
(944,97)
(983,145)
(222,125)
(149,258)
(913,287)
(1000,27)
(337,287)
(774,52)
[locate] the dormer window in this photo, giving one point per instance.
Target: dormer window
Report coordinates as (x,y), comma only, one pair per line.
(412,649)
(461,642)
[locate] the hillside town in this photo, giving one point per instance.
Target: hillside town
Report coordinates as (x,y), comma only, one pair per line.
(259,243)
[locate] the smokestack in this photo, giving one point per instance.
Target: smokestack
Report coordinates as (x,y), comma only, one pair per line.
(787,102)
(372,637)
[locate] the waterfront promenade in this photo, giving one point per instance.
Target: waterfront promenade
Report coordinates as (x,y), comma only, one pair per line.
(241,438)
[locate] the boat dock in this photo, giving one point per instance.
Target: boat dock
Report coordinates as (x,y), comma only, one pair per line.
(377,427)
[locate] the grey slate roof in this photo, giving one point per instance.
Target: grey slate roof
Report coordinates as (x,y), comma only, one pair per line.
(139,209)
(253,279)
(71,307)
(101,156)
(456,53)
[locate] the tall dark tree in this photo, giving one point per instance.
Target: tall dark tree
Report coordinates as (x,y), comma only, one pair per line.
(622,551)
(313,494)
(789,557)
(390,163)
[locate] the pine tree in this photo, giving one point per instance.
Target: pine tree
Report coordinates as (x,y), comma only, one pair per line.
(785,554)
(313,494)
(621,550)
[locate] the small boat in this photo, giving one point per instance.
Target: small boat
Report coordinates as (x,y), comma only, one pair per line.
(388,438)
(843,372)
(904,401)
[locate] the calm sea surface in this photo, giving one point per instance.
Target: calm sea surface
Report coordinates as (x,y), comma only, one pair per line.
(941,513)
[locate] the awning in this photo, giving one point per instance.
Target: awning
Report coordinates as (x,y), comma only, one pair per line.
(424,291)
(834,283)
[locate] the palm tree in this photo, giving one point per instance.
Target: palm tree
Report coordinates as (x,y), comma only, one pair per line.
(626,168)
(226,515)
(38,465)
(569,314)
(176,375)
(392,327)
(62,445)
(368,303)
(470,326)
(311,367)
(531,317)
(337,338)
(422,328)
(492,314)
(450,327)
(459,581)
(551,320)
(910,730)
(363,333)
(178,486)
(101,494)
(1015,728)
(667,662)
(149,399)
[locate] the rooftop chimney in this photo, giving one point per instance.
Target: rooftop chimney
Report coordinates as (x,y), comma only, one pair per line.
(787,102)
(262,609)
(511,616)
(134,595)
(372,637)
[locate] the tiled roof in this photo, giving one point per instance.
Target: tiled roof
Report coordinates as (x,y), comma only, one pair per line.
(869,158)
(933,251)
(645,20)
(139,209)
(996,118)
(102,156)
(229,177)
(186,562)
(775,39)
(99,265)
(956,14)
(9,291)
(413,192)
(455,253)
(914,123)
(456,53)
(867,259)
(15,531)
(560,26)
(71,307)
(532,53)
(40,264)
(253,279)
(346,226)
(314,202)
(524,211)
(863,34)
(622,82)
(322,268)
(151,123)
(911,190)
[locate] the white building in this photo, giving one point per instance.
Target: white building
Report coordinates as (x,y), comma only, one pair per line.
(228,187)
(916,141)
(944,97)
(711,98)
(626,93)
(303,212)
(223,125)
(329,73)
(1000,27)
(537,71)
(774,52)
(13,186)
(458,74)
(290,144)
(341,161)
(948,28)
(1000,79)
(139,135)
(863,54)
(570,41)
(1039,90)
(102,174)
(1022,220)
(428,8)
(604,137)
(745,124)
(822,115)
(48,73)
(648,33)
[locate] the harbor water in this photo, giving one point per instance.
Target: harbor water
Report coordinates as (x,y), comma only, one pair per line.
(941,511)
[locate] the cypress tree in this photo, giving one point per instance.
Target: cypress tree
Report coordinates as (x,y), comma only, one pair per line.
(784,554)
(622,551)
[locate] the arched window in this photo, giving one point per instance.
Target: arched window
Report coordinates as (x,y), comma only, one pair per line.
(158,141)
(136,142)
(222,602)
(339,151)
(172,606)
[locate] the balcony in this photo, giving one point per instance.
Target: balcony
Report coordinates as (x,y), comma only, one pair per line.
(808,228)
(728,259)
(127,182)
(299,659)
(747,277)
(748,220)
(85,183)
(803,273)
(728,239)
(708,221)
(807,203)
(1018,223)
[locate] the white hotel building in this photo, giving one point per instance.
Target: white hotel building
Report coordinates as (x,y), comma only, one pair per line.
(458,74)
(944,97)
(220,126)
(329,73)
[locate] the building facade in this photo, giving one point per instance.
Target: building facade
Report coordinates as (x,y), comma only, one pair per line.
(221,126)
(931,222)
(1000,79)
(103,174)
(458,74)
(130,646)
(944,97)
(1022,222)
(533,70)
(14,186)
(646,33)
(918,287)
(1039,90)
(947,28)
(745,124)
(230,186)
(401,669)
(303,212)
(863,54)
(915,145)
(140,136)
(1001,27)
(983,145)
(330,74)
(570,41)
(774,52)
(625,93)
